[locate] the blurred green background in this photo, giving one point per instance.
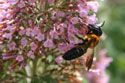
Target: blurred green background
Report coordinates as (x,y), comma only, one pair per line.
(113,12)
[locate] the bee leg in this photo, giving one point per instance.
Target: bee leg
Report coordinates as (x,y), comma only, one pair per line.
(80,38)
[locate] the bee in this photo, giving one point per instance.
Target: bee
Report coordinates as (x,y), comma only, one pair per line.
(90,41)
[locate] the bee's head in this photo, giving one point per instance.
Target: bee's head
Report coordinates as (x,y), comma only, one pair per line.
(96,29)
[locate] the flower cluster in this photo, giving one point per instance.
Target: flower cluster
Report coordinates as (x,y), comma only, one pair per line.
(37,28)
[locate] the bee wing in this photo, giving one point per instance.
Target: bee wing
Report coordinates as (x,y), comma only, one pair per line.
(89,60)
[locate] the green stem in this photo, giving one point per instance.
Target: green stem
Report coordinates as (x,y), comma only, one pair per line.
(46,5)
(34,67)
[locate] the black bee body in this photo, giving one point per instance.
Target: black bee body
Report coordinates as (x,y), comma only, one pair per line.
(74,53)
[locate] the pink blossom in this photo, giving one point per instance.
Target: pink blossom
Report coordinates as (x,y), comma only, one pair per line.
(93,5)
(63,47)
(49,43)
(10,28)
(103,60)
(53,17)
(12,2)
(74,20)
(83,12)
(41,20)
(11,69)
(72,30)
(72,43)
(4,54)
(61,26)
(22,32)
(59,60)
(32,1)
(24,42)
(7,35)
(30,22)
(92,19)
(36,30)
(21,4)
(54,34)
(8,57)
(33,46)
(31,54)
(60,14)
(11,46)
(103,78)
(4,6)
(51,1)
(80,4)
(19,58)
(30,32)
(40,37)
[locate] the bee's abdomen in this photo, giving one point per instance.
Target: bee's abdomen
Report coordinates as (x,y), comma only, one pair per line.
(73,53)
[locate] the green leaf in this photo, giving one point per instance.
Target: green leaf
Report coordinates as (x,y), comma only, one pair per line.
(44,79)
(48,79)
(49,58)
(53,67)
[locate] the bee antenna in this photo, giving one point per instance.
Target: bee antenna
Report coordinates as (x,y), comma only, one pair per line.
(102,24)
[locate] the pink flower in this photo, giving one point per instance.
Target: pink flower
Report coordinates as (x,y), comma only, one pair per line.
(51,1)
(21,4)
(33,46)
(19,58)
(24,42)
(49,43)
(36,30)
(54,34)
(11,46)
(11,69)
(53,17)
(8,36)
(74,20)
(83,12)
(30,32)
(30,22)
(32,1)
(103,60)
(60,14)
(63,47)
(61,26)
(40,37)
(59,60)
(72,30)
(92,19)
(41,20)
(10,28)
(22,32)
(4,54)
(93,5)
(12,2)
(8,57)
(31,55)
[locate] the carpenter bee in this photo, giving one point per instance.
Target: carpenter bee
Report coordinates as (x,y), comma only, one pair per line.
(90,41)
